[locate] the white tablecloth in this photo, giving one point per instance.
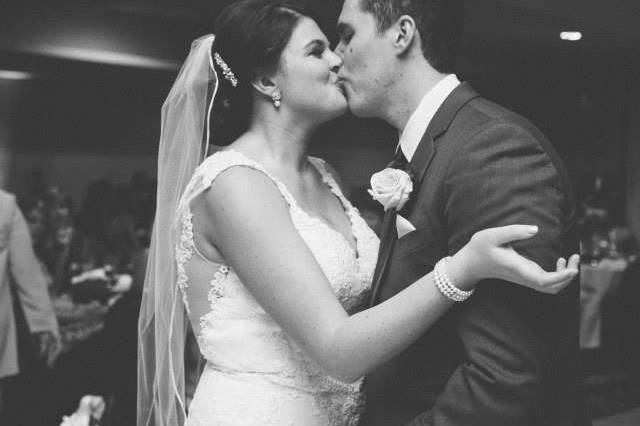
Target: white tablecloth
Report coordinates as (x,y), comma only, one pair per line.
(597,281)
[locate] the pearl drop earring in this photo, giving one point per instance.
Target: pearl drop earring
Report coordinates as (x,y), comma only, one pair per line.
(276,97)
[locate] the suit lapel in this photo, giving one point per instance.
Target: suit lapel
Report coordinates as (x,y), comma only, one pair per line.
(437,127)
(419,165)
(421,160)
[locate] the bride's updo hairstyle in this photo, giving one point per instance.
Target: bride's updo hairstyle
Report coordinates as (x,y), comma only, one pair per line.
(250,38)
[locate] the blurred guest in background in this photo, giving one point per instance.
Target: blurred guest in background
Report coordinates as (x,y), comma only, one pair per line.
(20,274)
(35,187)
(59,233)
(35,215)
(124,245)
(49,215)
(104,237)
(603,232)
(143,204)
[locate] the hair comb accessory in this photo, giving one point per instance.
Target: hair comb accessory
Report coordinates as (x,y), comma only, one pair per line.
(226,71)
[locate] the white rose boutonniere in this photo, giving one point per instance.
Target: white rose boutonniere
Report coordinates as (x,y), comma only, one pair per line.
(391,188)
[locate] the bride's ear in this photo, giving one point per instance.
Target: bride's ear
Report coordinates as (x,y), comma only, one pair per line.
(404,34)
(265,85)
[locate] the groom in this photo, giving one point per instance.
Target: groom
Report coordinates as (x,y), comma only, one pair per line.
(508,355)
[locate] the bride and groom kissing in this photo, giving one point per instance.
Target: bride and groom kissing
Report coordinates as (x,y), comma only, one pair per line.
(450,316)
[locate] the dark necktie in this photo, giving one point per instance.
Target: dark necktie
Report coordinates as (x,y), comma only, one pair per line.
(399,161)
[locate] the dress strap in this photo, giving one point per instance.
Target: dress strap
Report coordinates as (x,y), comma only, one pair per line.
(330,181)
(217,163)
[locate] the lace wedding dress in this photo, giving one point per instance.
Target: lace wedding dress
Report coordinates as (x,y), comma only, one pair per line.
(255,374)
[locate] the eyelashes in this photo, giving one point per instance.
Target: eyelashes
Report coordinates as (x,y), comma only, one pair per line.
(346,36)
(317,48)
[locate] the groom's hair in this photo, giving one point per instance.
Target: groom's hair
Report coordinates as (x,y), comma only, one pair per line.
(439,23)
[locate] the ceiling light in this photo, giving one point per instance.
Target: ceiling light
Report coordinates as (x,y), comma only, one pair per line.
(110,58)
(571,35)
(14,75)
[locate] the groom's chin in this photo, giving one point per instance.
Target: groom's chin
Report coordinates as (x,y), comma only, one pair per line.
(359,111)
(359,108)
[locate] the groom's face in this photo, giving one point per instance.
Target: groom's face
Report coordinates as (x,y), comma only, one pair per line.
(367,69)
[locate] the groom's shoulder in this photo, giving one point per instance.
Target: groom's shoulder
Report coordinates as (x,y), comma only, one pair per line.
(491,112)
(487,123)
(481,114)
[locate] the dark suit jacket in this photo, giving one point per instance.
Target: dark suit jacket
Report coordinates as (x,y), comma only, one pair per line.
(508,355)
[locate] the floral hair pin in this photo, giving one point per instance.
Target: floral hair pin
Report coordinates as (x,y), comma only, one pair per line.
(226,71)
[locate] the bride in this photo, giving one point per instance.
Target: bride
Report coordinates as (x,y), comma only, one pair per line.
(261,250)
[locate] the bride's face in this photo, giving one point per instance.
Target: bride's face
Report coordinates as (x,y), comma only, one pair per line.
(307,76)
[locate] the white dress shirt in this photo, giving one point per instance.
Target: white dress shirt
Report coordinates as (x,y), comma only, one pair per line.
(422,116)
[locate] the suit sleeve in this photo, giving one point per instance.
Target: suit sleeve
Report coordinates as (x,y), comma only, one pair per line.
(502,176)
(30,283)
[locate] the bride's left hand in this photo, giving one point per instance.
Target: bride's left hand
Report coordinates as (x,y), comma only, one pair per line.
(500,260)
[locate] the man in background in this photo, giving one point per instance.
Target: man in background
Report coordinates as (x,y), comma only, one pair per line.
(20,275)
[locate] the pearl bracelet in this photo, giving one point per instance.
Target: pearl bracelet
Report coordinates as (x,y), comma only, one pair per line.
(444,284)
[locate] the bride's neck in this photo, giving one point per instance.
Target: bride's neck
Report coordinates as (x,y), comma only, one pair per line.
(280,140)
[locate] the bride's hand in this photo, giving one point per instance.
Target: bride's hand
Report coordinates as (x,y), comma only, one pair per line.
(489,255)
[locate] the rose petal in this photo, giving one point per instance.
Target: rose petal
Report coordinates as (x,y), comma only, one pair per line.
(391,188)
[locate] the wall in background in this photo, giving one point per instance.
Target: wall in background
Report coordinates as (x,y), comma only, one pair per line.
(78,130)
(633,159)
(73,173)
(9,92)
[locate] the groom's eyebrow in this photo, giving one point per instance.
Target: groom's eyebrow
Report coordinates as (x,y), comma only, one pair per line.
(342,28)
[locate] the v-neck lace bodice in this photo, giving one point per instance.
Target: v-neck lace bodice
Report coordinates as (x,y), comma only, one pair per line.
(252,365)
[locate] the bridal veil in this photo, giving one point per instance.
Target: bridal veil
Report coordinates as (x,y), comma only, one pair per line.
(162,323)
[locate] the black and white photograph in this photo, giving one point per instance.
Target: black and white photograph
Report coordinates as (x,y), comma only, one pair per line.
(319,213)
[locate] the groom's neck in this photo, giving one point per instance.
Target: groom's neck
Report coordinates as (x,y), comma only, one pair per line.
(413,83)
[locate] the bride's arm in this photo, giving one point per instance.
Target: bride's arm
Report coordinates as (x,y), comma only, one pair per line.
(251,226)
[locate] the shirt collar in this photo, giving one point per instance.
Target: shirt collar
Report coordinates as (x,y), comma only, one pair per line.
(422,116)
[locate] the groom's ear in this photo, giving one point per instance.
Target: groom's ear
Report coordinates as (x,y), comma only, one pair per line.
(265,85)
(404,35)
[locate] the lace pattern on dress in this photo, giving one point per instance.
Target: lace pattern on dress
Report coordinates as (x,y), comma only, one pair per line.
(217,289)
(362,234)
(183,253)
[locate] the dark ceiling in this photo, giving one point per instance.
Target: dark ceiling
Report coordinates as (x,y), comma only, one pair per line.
(69,37)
